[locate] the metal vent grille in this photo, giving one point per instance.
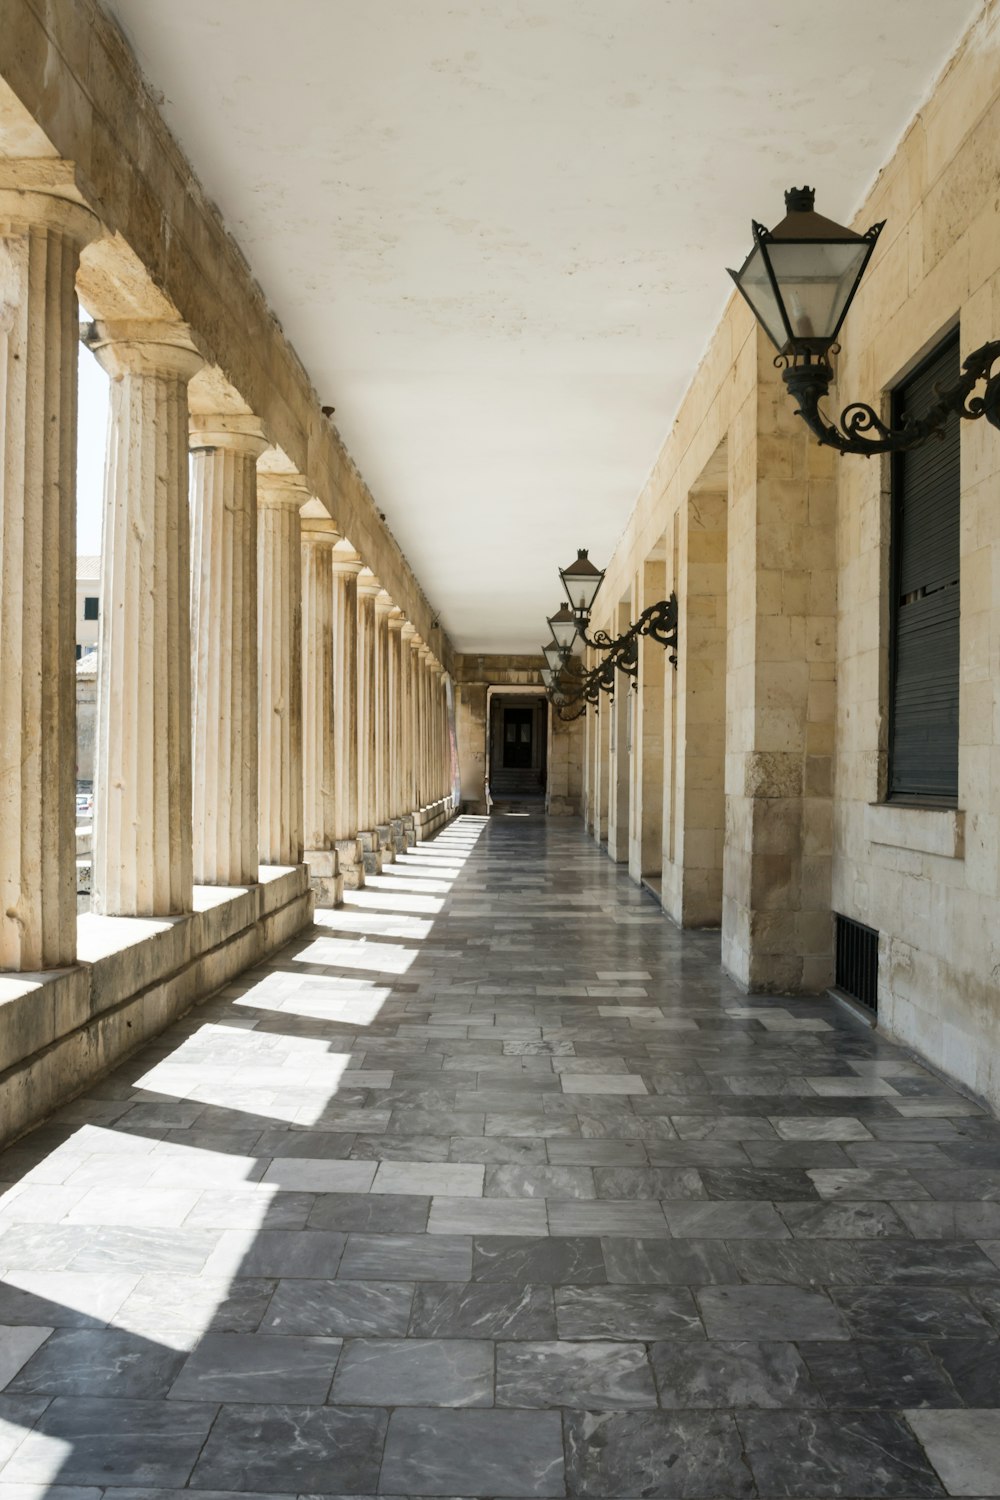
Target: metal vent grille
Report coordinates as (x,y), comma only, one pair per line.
(857,961)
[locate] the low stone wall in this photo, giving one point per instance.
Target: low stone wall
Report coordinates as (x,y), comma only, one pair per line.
(430,819)
(62,1029)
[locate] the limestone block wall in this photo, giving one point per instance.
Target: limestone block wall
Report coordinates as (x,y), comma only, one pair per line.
(775,729)
(928,881)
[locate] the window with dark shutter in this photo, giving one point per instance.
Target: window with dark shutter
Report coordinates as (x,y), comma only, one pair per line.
(90,607)
(926,492)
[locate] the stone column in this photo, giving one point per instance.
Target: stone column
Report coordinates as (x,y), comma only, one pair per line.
(318,713)
(368,588)
(41,237)
(142,863)
(346,565)
(406,696)
(280,497)
(224,453)
(394,701)
(380,700)
(426,794)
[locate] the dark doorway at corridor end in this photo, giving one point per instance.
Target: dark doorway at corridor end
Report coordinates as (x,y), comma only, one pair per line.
(518,751)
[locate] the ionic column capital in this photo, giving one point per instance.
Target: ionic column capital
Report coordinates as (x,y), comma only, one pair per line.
(383,604)
(416,644)
(144,346)
(235,434)
(396,619)
(408,631)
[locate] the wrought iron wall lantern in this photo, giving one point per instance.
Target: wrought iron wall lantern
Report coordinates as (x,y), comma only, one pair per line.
(800,279)
(567,686)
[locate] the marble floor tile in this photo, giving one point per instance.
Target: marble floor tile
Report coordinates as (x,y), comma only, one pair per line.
(96,1441)
(473,1453)
(837,1454)
(963,1446)
(339,1308)
(570,1259)
(663,1455)
(483,1309)
(769,1312)
(287,1449)
(18,1342)
(248,1367)
(620,1312)
(407,1257)
(369,1213)
(415,1372)
(486,1216)
(717,1374)
(594,1375)
(98,1362)
(447,1179)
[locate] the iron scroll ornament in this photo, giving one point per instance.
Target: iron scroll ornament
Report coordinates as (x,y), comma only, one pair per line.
(862,431)
(658,621)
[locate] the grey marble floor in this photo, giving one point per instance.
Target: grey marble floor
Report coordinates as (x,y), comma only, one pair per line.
(492,1185)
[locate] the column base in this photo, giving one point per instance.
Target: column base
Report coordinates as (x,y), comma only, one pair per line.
(399,836)
(371,851)
(325,879)
(387,844)
(352,870)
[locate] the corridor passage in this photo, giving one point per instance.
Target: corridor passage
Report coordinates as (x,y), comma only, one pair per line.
(491,1184)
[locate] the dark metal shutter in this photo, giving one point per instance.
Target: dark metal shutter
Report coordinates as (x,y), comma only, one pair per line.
(923,747)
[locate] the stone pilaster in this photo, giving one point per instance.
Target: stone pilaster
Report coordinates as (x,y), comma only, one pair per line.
(224,453)
(280,497)
(345,566)
(368,589)
(318,712)
(142,862)
(40,241)
(380,700)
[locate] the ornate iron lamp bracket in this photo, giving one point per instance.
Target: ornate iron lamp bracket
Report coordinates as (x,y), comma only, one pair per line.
(809,377)
(659,622)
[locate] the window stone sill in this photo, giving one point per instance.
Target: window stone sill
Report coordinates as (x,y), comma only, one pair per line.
(924,830)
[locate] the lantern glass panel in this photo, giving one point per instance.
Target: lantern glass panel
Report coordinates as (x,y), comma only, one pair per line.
(816,280)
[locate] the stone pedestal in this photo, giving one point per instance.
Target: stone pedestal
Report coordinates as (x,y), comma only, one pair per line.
(142,794)
(319,741)
(40,241)
(279,609)
(346,565)
(224,453)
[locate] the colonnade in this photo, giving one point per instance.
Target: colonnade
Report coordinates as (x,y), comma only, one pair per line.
(262,700)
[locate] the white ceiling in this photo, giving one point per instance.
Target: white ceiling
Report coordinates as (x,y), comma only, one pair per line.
(496,230)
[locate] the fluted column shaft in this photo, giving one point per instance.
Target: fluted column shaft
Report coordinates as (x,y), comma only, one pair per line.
(383,812)
(406,717)
(224,453)
(319,739)
(40,241)
(425,727)
(346,566)
(394,695)
(142,861)
(344,628)
(368,587)
(279,611)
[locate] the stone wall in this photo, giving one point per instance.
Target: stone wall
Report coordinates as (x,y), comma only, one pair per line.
(780,549)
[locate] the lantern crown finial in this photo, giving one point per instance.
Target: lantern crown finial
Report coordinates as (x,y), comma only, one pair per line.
(800,200)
